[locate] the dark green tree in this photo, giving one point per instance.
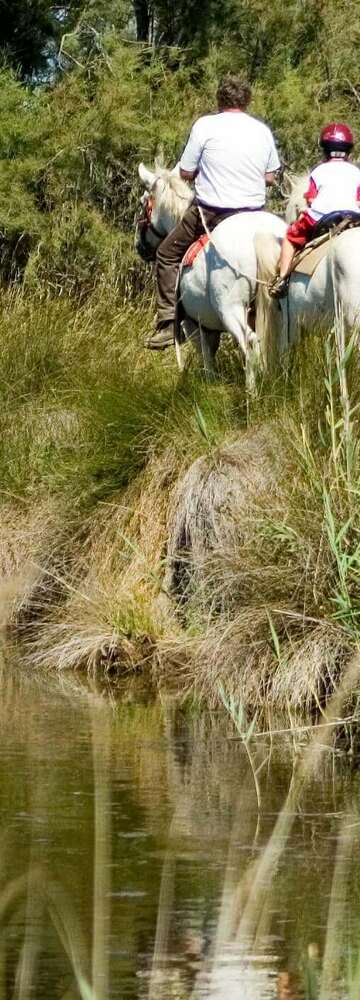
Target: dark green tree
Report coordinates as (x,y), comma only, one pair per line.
(28,29)
(26,26)
(142,13)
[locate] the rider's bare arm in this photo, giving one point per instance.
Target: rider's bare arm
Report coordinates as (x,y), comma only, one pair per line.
(188,175)
(191,155)
(270,177)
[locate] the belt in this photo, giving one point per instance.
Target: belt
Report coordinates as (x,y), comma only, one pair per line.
(230,211)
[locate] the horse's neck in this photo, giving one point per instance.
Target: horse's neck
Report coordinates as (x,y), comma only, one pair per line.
(167,220)
(172,205)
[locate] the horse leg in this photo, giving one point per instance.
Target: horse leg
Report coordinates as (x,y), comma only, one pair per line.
(205,341)
(236,322)
(188,331)
(209,341)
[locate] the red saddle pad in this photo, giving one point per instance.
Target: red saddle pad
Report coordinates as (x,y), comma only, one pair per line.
(194,249)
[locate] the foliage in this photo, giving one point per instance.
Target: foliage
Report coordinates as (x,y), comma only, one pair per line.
(29,30)
(70,150)
(26,28)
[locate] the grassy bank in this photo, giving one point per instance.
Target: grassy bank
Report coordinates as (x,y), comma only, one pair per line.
(94,433)
(118,554)
(236,576)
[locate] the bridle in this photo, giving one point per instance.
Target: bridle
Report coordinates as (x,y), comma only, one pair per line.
(143,226)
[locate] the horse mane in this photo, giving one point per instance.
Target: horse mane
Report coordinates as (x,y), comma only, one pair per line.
(175,195)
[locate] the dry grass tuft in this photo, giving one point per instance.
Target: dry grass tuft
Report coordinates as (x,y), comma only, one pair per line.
(110,617)
(307,677)
(239,657)
(31,556)
(260,577)
(210,504)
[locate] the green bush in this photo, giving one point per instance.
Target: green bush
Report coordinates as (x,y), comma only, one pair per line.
(69,150)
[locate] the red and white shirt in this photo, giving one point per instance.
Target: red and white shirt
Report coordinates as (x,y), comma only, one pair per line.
(334,186)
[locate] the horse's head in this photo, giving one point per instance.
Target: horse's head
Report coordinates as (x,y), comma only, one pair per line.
(164,202)
(296,186)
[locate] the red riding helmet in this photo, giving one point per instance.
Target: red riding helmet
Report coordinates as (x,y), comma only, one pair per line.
(336,137)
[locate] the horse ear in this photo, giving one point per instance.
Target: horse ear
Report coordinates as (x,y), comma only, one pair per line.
(292,180)
(159,158)
(146,176)
(287,184)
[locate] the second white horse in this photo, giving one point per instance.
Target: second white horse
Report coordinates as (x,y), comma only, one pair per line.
(332,290)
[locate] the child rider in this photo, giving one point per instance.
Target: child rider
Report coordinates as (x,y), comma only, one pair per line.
(334,186)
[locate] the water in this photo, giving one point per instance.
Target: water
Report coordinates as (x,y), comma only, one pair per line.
(135,861)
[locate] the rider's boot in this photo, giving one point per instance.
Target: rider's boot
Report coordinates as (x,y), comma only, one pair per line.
(164,337)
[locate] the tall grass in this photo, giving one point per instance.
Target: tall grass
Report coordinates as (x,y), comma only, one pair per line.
(277,607)
(84,406)
(94,432)
(95,435)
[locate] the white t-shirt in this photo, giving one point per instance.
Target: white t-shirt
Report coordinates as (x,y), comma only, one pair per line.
(334,187)
(232,151)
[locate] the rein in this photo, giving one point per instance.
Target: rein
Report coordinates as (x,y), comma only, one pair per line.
(148,217)
(143,225)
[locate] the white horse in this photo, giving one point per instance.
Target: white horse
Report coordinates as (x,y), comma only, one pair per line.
(216,291)
(333,288)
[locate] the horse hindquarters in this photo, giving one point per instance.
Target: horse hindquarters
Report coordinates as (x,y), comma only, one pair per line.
(345,275)
(216,292)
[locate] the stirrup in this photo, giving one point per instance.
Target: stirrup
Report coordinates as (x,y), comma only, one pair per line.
(278,287)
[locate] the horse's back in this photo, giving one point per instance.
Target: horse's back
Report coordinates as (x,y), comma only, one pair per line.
(346,273)
(232,245)
(223,275)
(238,231)
(339,273)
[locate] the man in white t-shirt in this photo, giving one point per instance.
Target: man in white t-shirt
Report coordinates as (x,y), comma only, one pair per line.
(231,157)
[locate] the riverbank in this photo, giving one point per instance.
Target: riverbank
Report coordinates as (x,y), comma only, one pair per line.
(154,523)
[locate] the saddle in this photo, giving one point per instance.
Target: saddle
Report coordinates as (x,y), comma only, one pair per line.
(330,226)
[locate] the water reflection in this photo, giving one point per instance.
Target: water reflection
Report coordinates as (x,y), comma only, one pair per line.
(136,862)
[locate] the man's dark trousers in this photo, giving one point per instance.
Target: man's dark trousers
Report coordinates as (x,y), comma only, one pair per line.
(171,252)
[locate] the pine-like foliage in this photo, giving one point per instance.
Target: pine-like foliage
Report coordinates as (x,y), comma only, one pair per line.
(70,147)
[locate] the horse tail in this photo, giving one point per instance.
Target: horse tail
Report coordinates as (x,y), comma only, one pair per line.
(269,327)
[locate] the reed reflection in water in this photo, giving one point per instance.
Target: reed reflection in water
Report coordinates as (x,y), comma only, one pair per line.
(137,862)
